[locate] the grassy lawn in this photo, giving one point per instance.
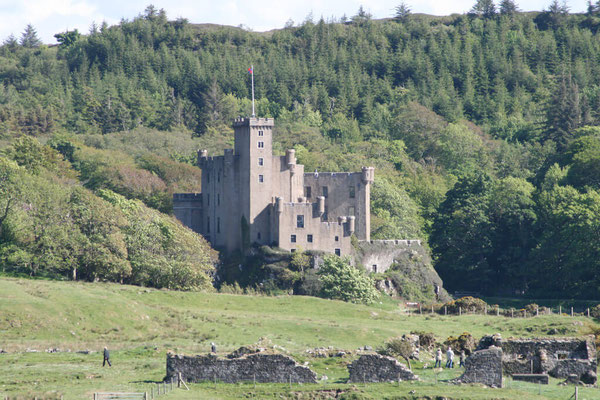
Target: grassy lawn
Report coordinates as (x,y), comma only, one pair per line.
(140,325)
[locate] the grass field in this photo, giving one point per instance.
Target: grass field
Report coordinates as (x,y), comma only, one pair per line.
(140,325)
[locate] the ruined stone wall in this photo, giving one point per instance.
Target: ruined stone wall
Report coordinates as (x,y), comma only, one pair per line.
(378,368)
(558,358)
(484,366)
(264,368)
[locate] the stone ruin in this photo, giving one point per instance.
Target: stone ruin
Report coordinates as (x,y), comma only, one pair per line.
(378,368)
(242,365)
(484,366)
(573,358)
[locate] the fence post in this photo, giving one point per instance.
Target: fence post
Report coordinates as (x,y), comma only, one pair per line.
(497,311)
(512,312)
(420,311)
(537,312)
(432,308)
(571,311)
(560,310)
(459,310)
(152,392)
(145,395)
(164,387)
(485,309)
(588,312)
(171,384)
(445,310)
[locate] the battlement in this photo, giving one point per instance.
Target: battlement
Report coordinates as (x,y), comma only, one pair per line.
(243,121)
(188,197)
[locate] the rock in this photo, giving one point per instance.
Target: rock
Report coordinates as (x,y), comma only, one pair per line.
(589,378)
(368,348)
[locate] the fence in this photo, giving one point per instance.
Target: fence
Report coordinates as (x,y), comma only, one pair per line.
(156,390)
(417,308)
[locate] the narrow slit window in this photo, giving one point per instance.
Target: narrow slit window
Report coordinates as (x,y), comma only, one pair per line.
(218,225)
(261,178)
(338,252)
(261,145)
(293,238)
(307,192)
(261,133)
(261,161)
(351,191)
(309,238)
(299,221)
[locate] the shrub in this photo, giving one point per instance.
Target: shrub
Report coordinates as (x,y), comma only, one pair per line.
(400,346)
(342,281)
(426,339)
(465,342)
(595,311)
(466,304)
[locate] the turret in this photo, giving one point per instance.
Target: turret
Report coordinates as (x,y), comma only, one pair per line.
(368,175)
(279,204)
(321,205)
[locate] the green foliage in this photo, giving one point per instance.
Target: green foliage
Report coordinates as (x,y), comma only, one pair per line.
(401,347)
(342,281)
(466,304)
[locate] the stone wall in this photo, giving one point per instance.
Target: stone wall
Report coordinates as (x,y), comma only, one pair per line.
(484,366)
(261,367)
(378,368)
(558,358)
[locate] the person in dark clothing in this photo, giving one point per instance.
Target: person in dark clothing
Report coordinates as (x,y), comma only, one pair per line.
(106,357)
(213,347)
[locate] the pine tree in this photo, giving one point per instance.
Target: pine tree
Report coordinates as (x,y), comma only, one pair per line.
(29,37)
(402,12)
(484,8)
(508,7)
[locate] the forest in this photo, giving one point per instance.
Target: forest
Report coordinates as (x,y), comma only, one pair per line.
(483,128)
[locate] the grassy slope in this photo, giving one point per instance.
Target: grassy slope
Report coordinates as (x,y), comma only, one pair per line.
(141,324)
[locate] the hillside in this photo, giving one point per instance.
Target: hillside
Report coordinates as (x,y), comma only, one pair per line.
(482,127)
(140,325)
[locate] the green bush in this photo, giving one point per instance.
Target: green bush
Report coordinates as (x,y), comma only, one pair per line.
(465,304)
(342,281)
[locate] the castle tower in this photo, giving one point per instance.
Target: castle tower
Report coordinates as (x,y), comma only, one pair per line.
(254,148)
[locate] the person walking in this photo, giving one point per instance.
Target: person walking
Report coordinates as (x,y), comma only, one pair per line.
(213,347)
(450,358)
(106,357)
(462,359)
(438,358)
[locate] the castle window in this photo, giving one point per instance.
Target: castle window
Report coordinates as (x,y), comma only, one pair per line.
(337,238)
(338,252)
(375,268)
(307,192)
(351,211)
(207,224)
(261,178)
(258,236)
(261,161)
(293,239)
(299,221)
(218,225)
(219,176)
(309,238)
(352,192)
(325,191)
(208,199)
(218,199)
(260,133)
(261,145)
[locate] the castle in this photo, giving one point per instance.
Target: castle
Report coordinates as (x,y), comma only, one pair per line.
(249,196)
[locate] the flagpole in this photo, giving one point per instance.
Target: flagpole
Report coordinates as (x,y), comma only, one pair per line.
(253,114)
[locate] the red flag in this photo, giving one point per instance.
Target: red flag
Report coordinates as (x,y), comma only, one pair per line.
(250,70)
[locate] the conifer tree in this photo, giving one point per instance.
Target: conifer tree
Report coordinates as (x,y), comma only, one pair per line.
(508,7)
(29,37)
(484,8)
(402,12)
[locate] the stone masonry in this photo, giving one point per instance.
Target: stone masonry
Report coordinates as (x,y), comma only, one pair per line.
(484,366)
(557,357)
(378,368)
(259,367)
(251,196)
